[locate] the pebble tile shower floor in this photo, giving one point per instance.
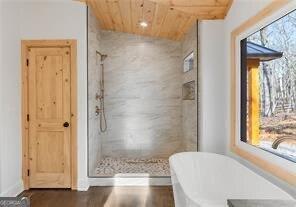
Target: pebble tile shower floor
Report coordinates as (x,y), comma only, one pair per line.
(109,166)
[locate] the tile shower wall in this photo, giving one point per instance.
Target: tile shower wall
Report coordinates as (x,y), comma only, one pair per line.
(143,80)
(189,107)
(95,142)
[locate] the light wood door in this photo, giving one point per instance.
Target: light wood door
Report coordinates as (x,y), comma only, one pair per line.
(49,106)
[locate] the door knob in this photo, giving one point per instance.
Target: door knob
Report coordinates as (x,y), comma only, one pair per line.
(66,124)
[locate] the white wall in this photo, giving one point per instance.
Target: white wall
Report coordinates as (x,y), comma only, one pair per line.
(213,91)
(60,20)
(1,98)
(10,122)
(240,11)
(33,20)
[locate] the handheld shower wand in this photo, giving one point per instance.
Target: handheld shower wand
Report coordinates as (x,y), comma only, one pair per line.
(101,110)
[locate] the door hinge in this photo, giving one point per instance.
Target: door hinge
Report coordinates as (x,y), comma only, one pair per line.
(28,117)
(27,62)
(28,172)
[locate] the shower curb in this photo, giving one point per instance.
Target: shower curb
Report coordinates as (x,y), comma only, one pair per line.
(123,181)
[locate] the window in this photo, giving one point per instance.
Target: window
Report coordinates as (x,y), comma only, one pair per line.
(268,88)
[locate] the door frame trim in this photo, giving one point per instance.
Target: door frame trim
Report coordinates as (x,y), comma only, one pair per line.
(25,45)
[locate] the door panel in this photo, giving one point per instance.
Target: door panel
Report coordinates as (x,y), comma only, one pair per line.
(49,99)
(49,107)
(50,148)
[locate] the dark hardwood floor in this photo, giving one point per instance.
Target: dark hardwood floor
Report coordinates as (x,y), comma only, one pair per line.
(103,197)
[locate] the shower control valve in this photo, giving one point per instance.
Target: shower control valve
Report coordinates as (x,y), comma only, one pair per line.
(98,110)
(98,97)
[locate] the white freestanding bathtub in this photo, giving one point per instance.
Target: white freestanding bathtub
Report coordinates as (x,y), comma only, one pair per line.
(205,179)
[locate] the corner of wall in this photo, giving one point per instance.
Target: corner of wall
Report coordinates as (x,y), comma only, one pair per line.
(273,179)
(14,190)
(83,184)
(213,90)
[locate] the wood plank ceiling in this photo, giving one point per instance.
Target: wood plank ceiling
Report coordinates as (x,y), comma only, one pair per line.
(169,19)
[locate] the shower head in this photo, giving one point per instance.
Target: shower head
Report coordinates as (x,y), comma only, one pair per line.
(103,56)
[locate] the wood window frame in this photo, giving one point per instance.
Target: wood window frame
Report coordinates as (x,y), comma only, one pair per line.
(271,168)
(25,45)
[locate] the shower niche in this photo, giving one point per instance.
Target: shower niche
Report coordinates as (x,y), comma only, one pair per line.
(188,91)
(137,117)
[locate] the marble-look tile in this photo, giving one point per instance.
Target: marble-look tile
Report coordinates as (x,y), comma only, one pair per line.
(95,141)
(143,96)
(145,114)
(189,107)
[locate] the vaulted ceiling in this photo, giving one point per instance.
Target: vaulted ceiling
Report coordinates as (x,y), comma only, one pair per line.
(169,19)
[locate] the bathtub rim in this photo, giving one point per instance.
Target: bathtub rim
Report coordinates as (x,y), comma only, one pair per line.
(201,201)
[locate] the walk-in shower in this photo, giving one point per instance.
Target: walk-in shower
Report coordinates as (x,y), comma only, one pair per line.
(100,110)
(137,92)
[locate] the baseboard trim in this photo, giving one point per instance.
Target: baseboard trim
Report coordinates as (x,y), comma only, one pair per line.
(122,181)
(83,185)
(14,190)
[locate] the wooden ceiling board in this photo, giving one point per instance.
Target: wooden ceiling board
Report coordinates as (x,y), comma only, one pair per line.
(137,14)
(148,15)
(159,17)
(115,15)
(101,10)
(169,19)
(174,21)
(186,27)
(203,11)
(193,3)
(169,22)
(125,11)
(180,26)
